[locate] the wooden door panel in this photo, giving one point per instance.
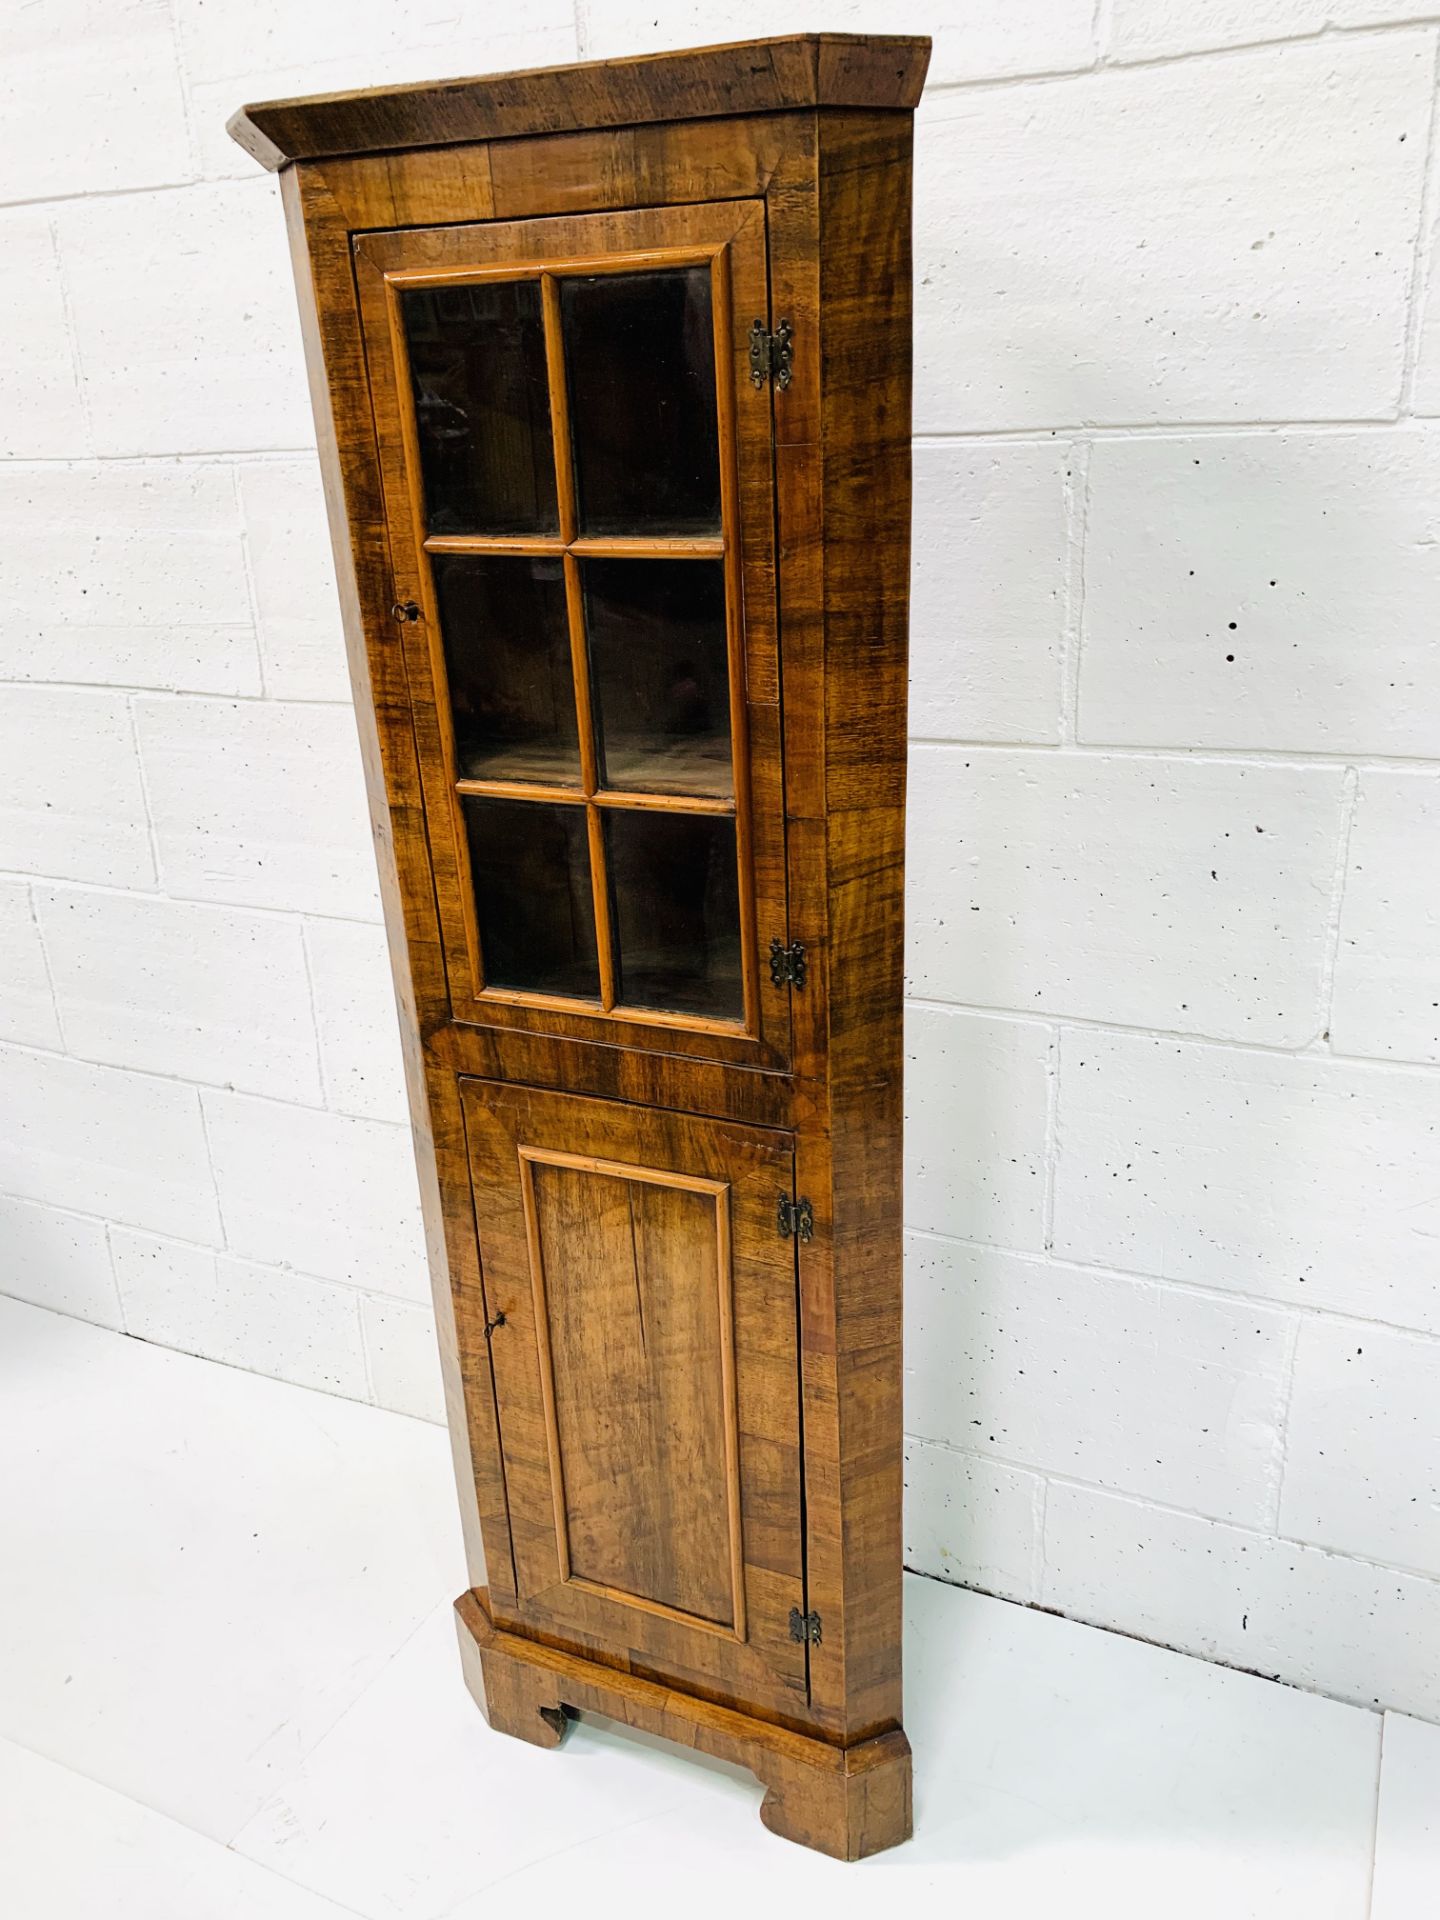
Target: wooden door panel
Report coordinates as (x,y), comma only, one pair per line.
(646,1378)
(636,1317)
(618,829)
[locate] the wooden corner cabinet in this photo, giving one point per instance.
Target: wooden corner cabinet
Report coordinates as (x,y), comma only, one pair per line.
(611,373)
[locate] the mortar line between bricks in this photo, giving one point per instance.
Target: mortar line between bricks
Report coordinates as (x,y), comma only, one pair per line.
(186,693)
(321,1078)
(207,456)
(1330,950)
(1282,1431)
(226,1087)
(72,334)
(356,1288)
(224,1246)
(1106,65)
(45,961)
(83,195)
(1421,263)
(183,900)
(247,563)
(187,103)
(580,17)
(1022,1017)
(1375,1817)
(1209,1290)
(366,1367)
(1048,433)
(108,1236)
(152,832)
(1052,1137)
(1040,1559)
(1316,760)
(1293,757)
(1100,23)
(1058,1479)
(1085,1023)
(1072,630)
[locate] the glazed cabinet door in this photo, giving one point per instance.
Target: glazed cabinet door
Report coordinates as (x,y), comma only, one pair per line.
(641,1305)
(579,497)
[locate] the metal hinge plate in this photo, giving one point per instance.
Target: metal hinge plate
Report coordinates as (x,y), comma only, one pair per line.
(805,1626)
(795,1219)
(770,354)
(787,964)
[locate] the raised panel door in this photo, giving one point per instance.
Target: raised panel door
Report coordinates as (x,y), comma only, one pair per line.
(641,1306)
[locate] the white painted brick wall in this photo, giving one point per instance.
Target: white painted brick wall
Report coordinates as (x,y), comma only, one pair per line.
(27,1004)
(203,993)
(356,1020)
(1164,1391)
(1387,985)
(240,814)
(40,397)
(1266,591)
(330,1195)
(268,1318)
(1179,893)
(71,799)
(87,544)
(1226,239)
(1174,1047)
(976,506)
(1298,1178)
(292,577)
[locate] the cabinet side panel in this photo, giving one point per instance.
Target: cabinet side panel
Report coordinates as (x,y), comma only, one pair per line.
(320,247)
(865,216)
(842,260)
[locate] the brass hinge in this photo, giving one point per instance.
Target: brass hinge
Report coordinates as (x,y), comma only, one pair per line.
(770,354)
(795,1219)
(787,964)
(805,1626)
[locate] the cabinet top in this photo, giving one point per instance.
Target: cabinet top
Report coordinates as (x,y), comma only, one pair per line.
(745,77)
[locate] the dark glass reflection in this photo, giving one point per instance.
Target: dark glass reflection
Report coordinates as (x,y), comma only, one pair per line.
(640,371)
(482,406)
(506,637)
(659,674)
(530,863)
(676,912)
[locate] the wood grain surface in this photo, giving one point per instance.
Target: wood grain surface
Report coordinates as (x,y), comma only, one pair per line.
(674,1426)
(848,1802)
(756,76)
(728,239)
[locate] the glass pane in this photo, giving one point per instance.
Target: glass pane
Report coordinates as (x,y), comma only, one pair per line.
(482,407)
(676,911)
(640,371)
(659,674)
(507,658)
(530,863)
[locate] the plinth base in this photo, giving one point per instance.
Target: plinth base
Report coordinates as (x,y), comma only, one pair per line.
(844,1801)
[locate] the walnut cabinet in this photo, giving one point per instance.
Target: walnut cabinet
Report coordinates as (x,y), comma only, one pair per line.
(611,374)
